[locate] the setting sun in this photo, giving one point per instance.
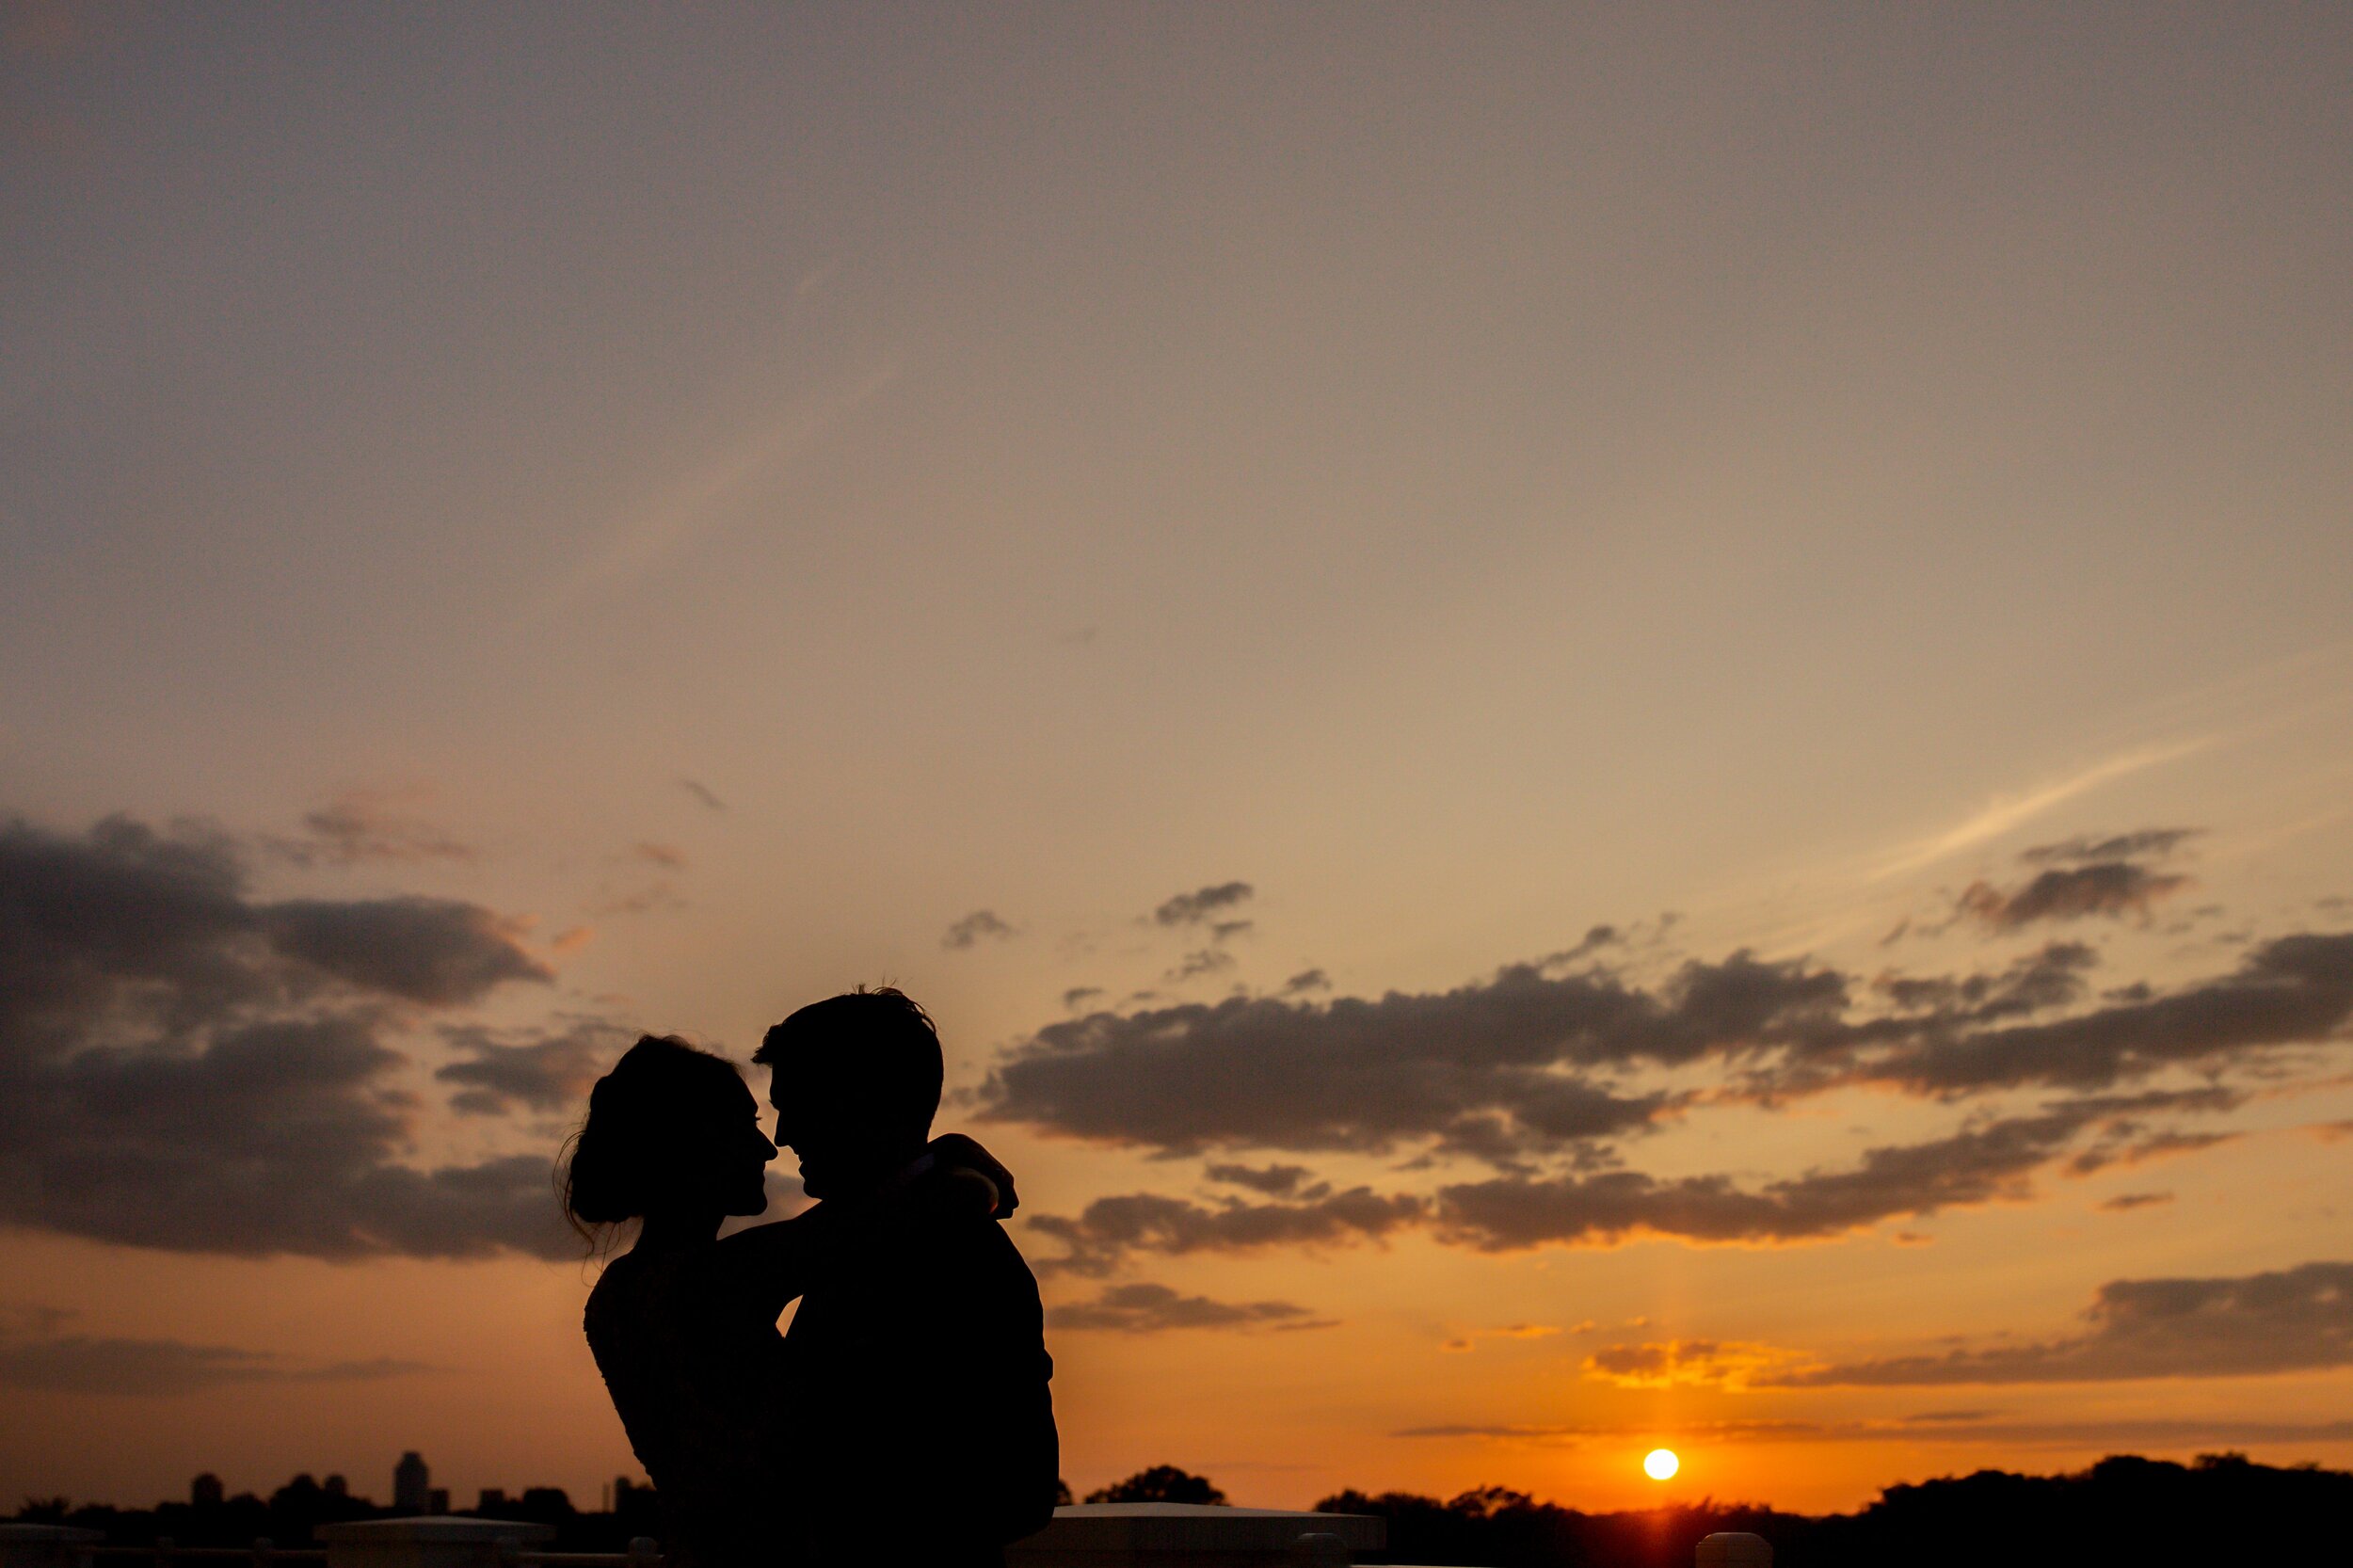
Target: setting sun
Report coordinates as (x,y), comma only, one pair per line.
(1661,1464)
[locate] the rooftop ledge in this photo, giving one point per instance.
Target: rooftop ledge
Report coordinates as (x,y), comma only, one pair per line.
(1086,1535)
(1090,1534)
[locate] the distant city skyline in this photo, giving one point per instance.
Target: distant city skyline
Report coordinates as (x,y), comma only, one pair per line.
(411,1491)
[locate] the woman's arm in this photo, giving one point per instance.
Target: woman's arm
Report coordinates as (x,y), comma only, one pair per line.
(773,1263)
(954,1178)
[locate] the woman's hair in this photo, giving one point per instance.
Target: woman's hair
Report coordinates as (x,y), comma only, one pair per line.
(656,1104)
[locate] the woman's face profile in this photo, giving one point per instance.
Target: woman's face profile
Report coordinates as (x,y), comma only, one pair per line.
(747,1184)
(730,1154)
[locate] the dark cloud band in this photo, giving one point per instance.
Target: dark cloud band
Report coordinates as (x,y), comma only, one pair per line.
(184,1067)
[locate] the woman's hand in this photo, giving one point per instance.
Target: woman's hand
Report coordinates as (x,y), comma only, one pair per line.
(967,1167)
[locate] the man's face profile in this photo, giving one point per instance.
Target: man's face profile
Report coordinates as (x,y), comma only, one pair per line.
(856,1082)
(832,1128)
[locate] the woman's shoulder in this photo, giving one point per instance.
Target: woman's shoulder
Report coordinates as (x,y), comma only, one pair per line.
(638,1286)
(620,1299)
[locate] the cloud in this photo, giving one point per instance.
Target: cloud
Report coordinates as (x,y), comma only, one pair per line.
(537,1071)
(2050,977)
(1990,1161)
(1535,1072)
(1198,905)
(1531,1064)
(438,952)
(2147,841)
(1078,993)
(2109,889)
(371,824)
(1987,1162)
(703,795)
(1204,961)
(1686,1364)
(1475,1067)
(980,923)
(1594,940)
(1225,931)
(1110,1228)
(2123,1203)
(1510,1331)
(2291,990)
(1305,981)
(2126,1150)
(1280,1181)
(184,1067)
(2286,1320)
(161,1368)
(668,856)
(1144,1308)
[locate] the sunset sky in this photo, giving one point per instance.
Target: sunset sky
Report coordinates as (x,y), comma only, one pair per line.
(1595,727)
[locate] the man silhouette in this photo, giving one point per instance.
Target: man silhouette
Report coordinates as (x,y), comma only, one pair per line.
(919,1366)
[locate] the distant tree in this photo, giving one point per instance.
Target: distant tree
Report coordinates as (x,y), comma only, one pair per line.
(1485,1502)
(1062,1494)
(1161,1483)
(301,1495)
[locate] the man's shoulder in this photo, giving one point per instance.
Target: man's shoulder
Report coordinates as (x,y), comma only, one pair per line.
(964,1260)
(983,1247)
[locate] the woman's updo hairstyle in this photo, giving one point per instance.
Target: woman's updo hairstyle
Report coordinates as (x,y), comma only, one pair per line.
(645,1117)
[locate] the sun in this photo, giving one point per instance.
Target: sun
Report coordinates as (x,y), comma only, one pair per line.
(1661,1464)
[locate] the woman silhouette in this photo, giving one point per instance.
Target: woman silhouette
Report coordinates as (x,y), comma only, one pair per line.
(683,1325)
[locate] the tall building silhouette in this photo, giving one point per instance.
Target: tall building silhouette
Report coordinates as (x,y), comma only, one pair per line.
(205,1491)
(412,1483)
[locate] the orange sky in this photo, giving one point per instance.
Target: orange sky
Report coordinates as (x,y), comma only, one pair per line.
(1596,730)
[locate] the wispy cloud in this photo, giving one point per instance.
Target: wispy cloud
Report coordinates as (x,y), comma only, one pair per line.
(363,825)
(1688,1363)
(979,925)
(2005,813)
(1148,1308)
(34,1356)
(635,545)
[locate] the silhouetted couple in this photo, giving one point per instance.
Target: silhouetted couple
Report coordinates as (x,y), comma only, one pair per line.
(906,1418)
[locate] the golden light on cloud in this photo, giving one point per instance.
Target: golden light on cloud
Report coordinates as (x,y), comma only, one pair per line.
(1689,1364)
(1661,1464)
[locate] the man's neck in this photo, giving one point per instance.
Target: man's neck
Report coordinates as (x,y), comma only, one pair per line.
(874,1173)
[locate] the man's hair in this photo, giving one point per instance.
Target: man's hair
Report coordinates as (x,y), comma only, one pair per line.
(881,1038)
